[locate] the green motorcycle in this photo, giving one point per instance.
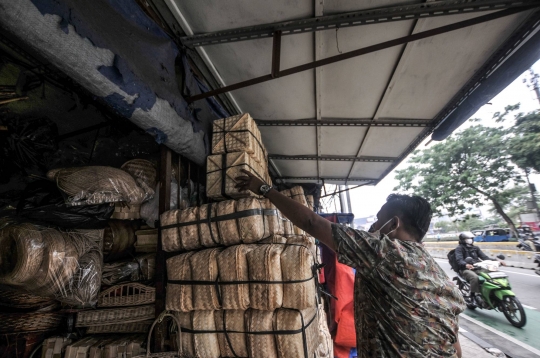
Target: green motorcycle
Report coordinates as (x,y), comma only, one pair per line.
(496,293)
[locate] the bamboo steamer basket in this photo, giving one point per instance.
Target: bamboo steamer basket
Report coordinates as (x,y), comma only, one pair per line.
(231,344)
(297,263)
(22,253)
(204,267)
(206,344)
(264,264)
(179,297)
(260,345)
(170,237)
(208,231)
(185,320)
(292,345)
(233,266)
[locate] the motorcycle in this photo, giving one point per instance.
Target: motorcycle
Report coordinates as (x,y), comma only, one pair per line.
(529,244)
(496,293)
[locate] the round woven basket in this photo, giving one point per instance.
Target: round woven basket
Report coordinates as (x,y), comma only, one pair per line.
(22,253)
(142,170)
(119,236)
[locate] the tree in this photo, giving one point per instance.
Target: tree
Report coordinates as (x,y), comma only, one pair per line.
(467,170)
(524,143)
(445,226)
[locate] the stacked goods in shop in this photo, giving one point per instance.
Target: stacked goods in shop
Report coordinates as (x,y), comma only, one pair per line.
(54,347)
(65,265)
(147,239)
(107,347)
(297,194)
(117,319)
(310,202)
(236,145)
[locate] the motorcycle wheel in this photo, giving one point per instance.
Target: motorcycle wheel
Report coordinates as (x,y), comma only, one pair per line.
(513,311)
(466,293)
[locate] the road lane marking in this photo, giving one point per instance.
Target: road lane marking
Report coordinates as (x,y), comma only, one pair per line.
(462,330)
(529,307)
(519,273)
(501,334)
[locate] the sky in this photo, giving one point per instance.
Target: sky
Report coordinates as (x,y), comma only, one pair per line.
(367,200)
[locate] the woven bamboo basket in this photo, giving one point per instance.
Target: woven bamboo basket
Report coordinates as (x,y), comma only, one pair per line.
(274,239)
(238,134)
(228,229)
(53,347)
(59,264)
(189,235)
(144,173)
(186,322)
(97,185)
(27,322)
(125,211)
(208,232)
(260,345)
(179,297)
(272,219)
(264,265)
(233,266)
(146,240)
(128,294)
(206,344)
(204,267)
(287,193)
(133,327)
(298,231)
(246,229)
(231,344)
(325,349)
(170,237)
(118,237)
(221,181)
(292,345)
(115,315)
(22,253)
(297,263)
(288,227)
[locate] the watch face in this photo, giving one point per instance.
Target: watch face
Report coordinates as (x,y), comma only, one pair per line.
(264,189)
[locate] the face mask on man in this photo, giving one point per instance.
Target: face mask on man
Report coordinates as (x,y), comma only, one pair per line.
(469,241)
(378,232)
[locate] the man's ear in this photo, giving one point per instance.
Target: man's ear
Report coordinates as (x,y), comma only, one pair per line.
(396,223)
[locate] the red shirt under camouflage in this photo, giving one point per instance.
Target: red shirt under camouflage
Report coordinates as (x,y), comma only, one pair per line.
(404,303)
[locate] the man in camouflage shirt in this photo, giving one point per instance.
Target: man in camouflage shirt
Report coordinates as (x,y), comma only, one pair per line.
(405,305)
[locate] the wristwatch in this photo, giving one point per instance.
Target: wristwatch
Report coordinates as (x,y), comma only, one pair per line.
(264,189)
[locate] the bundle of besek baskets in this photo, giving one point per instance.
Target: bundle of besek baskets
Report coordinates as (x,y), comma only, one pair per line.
(241,286)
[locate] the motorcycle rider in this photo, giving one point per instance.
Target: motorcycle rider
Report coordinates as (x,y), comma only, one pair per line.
(466,249)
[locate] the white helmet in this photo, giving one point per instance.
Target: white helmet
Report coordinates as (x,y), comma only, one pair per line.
(466,238)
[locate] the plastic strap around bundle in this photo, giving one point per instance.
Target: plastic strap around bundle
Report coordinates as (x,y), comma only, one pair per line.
(223,176)
(209,221)
(226,283)
(242,131)
(236,215)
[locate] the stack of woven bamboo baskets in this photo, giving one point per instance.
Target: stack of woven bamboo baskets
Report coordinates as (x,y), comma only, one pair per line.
(244,280)
(236,145)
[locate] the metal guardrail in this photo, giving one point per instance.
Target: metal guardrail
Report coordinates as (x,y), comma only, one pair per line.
(514,258)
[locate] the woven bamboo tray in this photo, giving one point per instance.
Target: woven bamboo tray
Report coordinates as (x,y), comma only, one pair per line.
(133,327)
(27,322)
(115,315)
(128,294)
(238,133)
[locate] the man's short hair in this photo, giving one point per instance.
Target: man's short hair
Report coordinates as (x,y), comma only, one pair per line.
(414,212)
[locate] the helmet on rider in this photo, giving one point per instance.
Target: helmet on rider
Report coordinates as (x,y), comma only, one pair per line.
(466,238)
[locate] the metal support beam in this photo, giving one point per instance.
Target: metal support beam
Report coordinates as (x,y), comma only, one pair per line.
(363,122)
(335,158)
(327,179)
(366,50)
(276,54)
(356,18)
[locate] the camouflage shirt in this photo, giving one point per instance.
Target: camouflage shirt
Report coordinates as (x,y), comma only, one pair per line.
(404,303)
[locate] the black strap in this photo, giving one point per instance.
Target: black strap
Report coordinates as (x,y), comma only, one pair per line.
(223,176)
(224,316)
(236,215)
(226,283)
(209,222)
(224,131)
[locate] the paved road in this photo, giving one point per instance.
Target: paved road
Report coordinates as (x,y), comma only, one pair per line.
(493,327)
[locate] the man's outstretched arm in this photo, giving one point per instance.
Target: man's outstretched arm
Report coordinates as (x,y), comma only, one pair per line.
(301,216)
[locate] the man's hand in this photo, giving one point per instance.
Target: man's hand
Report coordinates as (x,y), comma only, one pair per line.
(248,182)
(502,263)
(469,267)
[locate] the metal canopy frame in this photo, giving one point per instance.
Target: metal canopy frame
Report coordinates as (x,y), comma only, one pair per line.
(363,122)
(335,158)
(350,19)
(275,73)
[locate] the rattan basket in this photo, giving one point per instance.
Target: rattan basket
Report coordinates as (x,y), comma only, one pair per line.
(20,300)
(128,294)
(133,327)
(293,345)
(231,344)
(115,315)
(233,266)
(26,322)
(204,267)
